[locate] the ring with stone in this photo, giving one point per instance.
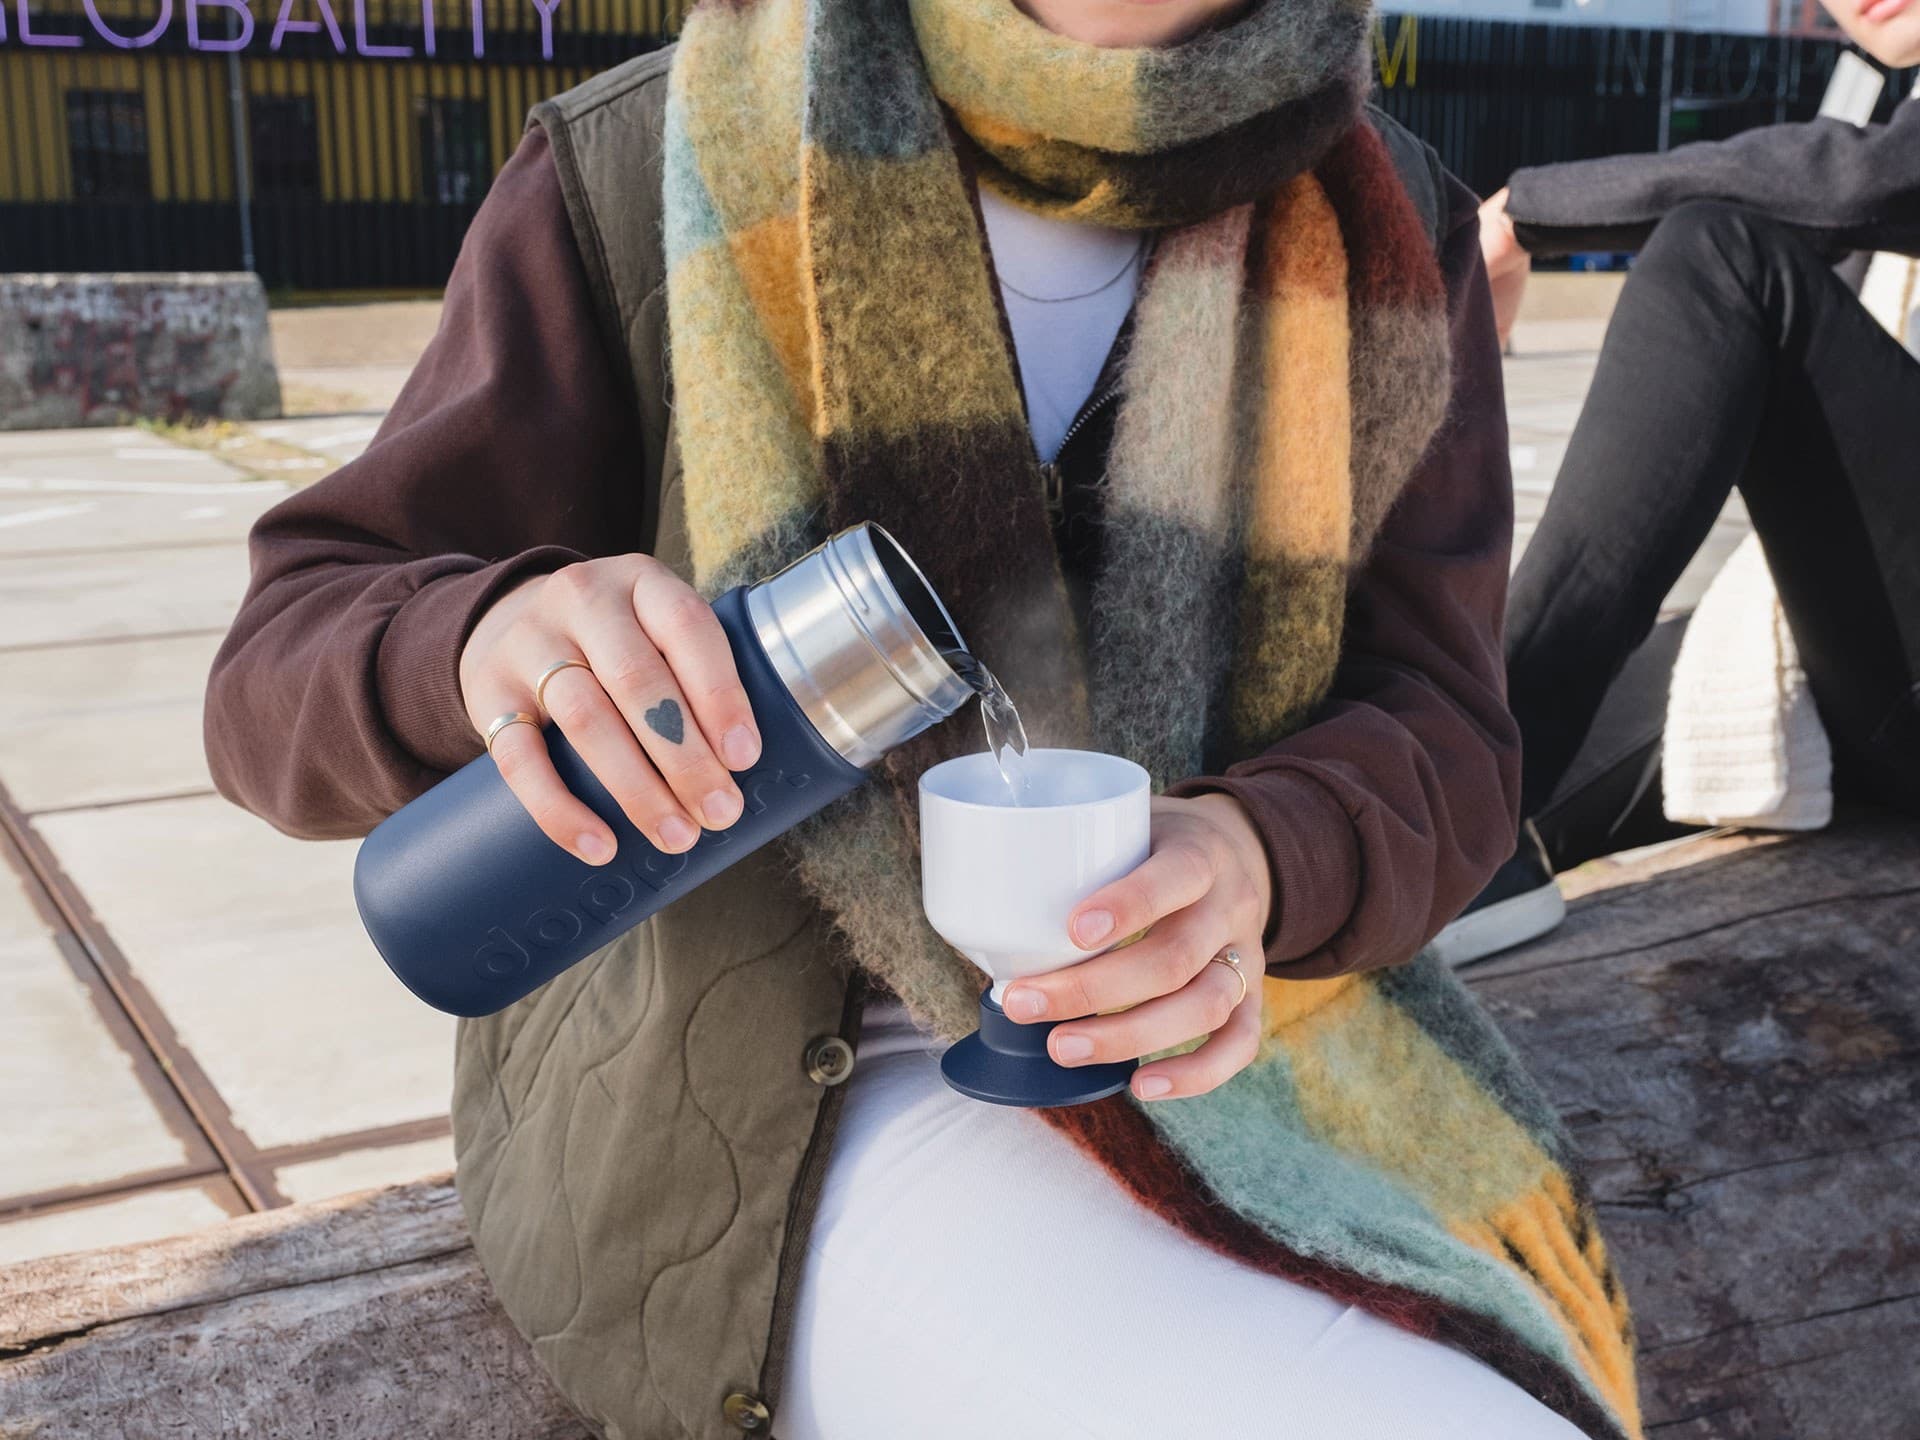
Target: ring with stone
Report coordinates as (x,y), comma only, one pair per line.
(1231,959)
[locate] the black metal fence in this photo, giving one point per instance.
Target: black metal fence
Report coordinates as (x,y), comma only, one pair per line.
(1492,97)
(345,144)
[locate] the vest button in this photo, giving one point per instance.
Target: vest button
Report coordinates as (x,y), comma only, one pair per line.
(746,1412)
(829,1060)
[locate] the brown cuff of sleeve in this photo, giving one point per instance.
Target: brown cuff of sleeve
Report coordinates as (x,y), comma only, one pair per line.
(417,669)
(1312,850)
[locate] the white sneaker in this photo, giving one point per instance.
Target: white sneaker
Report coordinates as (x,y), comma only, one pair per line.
(1520,903)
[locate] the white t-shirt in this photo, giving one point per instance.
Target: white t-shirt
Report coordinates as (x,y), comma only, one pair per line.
(1067,287)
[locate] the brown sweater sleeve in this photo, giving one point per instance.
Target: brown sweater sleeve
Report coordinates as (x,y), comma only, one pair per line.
(1386,815)
(335,697)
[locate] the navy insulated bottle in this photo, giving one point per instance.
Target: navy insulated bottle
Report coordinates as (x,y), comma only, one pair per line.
(472,906)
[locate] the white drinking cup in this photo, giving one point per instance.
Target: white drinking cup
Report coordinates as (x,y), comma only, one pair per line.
(998,880)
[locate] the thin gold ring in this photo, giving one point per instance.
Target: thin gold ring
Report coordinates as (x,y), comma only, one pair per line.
(1231,959)
(512,717)
(540,685)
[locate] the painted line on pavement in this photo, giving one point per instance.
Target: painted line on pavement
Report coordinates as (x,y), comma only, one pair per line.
(156,452)
(138,487)
(46,513)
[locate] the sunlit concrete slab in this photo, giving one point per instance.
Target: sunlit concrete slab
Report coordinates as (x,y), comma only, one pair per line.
(342,389)
(1546,391)
(1535,457)
(94,724)
(101,442)
(1557,416)
(341,437)
(250,944)
(47,599)
(364,1169)
(1557,337)
(147,1215)
(148,463)
(40,520)
(75,1111)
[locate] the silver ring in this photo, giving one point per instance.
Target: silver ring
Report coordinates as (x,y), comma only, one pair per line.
(512,717)
(1230,958)
(540,685)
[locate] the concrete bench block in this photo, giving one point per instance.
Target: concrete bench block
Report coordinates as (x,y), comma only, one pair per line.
(79,349)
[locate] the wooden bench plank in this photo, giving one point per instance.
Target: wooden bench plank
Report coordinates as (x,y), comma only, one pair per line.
(299,1245)
(361,1318)
(1736,1046)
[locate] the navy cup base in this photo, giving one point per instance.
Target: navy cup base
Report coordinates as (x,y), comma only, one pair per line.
(1006,1063)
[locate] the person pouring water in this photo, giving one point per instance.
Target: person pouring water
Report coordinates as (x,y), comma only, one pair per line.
(1137,329)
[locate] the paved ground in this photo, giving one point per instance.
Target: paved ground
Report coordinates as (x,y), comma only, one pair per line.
(195,1023)
(338,358)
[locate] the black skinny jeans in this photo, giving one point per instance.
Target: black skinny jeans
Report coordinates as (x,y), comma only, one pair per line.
(1735,357)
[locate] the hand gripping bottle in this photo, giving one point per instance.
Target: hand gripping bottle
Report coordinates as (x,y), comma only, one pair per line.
(841,656)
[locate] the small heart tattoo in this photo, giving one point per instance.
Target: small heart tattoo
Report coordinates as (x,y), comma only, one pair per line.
(666,721)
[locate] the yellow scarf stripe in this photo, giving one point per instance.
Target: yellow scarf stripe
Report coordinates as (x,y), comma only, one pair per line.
(768,257)
(755,424)
(1430,1125)
(1302,502)
(1408,1107)
(1592,1251)
(1587,1321)
(718,93)
(743,64)
(1300,433)
(1058,87)
(1288,1002)
(879,370)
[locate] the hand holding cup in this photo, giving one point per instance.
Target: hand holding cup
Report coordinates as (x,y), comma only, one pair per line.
(1027,892)
(1205,888)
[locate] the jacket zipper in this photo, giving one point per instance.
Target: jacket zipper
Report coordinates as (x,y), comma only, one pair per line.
(1055,487)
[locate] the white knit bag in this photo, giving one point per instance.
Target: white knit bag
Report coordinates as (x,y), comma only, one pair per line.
(1744,744)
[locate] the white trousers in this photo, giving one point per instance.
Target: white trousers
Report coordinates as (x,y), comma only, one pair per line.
(972,1274)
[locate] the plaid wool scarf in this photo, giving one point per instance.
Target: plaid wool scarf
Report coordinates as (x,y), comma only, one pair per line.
(839,355)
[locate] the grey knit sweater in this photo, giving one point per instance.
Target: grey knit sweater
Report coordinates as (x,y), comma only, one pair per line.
(1847,187)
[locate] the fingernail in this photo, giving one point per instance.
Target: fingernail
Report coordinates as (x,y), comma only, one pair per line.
(1069,1049)
(739,747)
(594,849)
(1152,1087)
(1093,927)
(721,809)
(677,834)
(1025,1004)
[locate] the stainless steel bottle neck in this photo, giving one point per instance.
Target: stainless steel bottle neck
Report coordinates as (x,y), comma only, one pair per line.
(844,640)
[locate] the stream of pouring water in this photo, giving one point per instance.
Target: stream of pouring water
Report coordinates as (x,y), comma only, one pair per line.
(1006,736)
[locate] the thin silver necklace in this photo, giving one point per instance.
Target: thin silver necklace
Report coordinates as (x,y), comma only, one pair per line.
(1139,246)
